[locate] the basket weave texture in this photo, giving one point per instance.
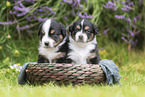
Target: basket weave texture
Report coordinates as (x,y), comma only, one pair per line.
(64,74)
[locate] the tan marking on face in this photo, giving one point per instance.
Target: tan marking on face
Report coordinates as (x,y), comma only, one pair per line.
(61,37)
(87,27)
(52,31)
(78,27)
(43,32)
(73,34)
(92,35)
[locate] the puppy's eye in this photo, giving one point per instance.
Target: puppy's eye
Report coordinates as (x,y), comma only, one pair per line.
(77,29)
(87,31)
(54,35)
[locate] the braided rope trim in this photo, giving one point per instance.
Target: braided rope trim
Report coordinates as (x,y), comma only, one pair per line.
(64,74)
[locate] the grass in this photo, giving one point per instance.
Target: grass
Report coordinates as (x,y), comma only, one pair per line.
(81,91)
(131,66)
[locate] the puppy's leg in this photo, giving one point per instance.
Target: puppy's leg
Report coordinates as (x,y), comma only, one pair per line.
(61,60)
(41,59)
(69,61)
(96,59)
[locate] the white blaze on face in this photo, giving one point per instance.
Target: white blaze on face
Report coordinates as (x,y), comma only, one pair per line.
(46,38)
(80,33)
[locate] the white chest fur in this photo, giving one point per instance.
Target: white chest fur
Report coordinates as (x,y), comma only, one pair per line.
(81,51)
(49,53)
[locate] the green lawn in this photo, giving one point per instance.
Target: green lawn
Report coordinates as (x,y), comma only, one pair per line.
(131,66)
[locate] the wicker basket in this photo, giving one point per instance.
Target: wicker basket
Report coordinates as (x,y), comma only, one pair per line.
(64,74)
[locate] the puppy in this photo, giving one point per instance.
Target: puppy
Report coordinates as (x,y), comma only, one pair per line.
(53,43)
(82,43)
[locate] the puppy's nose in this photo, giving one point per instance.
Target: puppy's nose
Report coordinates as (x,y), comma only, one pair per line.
(46,43)
(81,37)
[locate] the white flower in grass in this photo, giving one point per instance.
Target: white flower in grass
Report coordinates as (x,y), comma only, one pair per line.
(17,67)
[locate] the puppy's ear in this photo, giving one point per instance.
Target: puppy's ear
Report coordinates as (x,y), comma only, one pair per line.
(40,29)
(71,27)
(63,30)
(95,29)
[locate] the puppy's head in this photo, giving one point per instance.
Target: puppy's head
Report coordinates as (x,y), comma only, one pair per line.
(51,33)
(83,31)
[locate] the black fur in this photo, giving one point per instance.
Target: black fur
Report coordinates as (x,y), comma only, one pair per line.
(42,59)
(40,29)
(63,30)
(96,59)
(95,29)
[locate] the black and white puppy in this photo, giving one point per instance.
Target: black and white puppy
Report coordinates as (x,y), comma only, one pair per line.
(82,43)
(53,44)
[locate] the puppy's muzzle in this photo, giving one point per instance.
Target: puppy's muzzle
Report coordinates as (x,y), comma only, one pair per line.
(46,44)
(81,37)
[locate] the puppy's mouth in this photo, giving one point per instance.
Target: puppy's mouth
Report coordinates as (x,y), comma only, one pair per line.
(47,47)
(80,40)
